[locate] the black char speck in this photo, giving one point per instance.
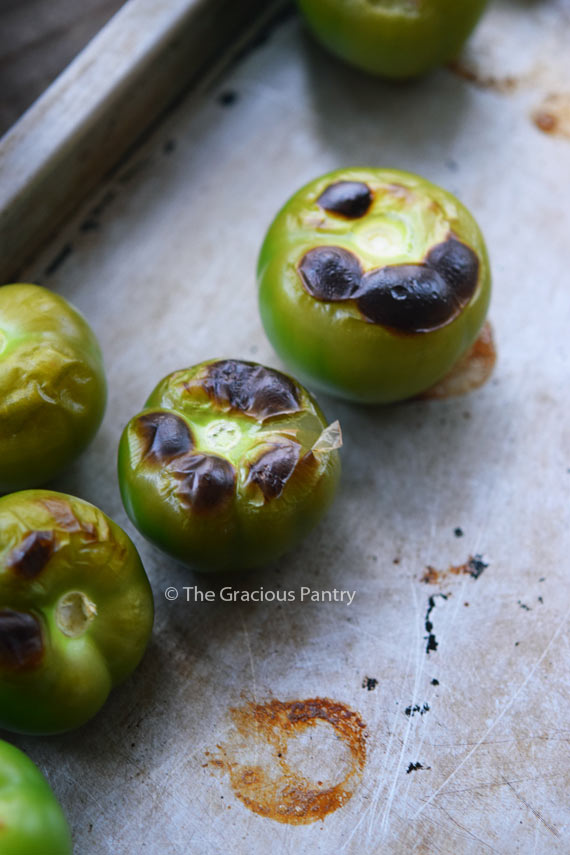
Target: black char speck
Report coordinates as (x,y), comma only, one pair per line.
(330,273)
(166,435)
(255,390)
(406,297)
(207,481)
(274,468)
(33,553)
(458,265)
(351,199)
(369,683)
(477,566)
(21,644)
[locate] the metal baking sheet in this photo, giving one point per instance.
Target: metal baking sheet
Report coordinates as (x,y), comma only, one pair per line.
(458,673)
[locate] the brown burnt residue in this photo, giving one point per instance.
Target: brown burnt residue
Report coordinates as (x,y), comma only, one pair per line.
(207,482)
(474,567)
(272,470)
(350,199)
(21,643)
(471,371)
(31,556)
(164,436)
(503,85)
(553,115)
(250,388)
(258,758)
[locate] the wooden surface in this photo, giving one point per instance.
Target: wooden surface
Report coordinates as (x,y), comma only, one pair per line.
(467,743)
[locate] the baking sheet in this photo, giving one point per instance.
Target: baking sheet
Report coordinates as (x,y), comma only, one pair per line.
(466,733)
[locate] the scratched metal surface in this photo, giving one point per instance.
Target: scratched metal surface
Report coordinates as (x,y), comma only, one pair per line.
(162,263)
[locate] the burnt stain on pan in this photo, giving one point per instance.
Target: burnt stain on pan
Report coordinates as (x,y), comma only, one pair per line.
(258,760)
(259,392)
(272,470)
(478,78)
(21,642)
(470,372)
(207,482)
(350,199)
(474,567)
(31,556)
(406,298)
(553,115)
(164,436)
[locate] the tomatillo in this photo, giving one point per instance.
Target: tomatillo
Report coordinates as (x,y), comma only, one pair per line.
(393,38)
(372,283)
(76,610)
(31,819)
(52,385)
(228,465)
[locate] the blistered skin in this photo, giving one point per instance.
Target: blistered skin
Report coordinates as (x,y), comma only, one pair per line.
(376,305)
(52,385)
(76,610)
(393,38)
(221,470)
(31,819)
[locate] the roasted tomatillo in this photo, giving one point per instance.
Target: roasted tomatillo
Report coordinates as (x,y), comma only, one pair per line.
(76,610)
(228,466)
(31,820)
(52,385)
(372,283)
(393,38)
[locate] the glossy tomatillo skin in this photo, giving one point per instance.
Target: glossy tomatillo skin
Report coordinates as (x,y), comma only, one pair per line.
(393,38)
(227,466)
(76,610)
(372,283)
(31,819)
(52,385)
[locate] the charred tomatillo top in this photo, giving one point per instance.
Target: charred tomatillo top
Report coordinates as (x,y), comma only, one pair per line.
(393,38)
(31,819)
(76,610)
(228,466)
(372,283)
(52,385)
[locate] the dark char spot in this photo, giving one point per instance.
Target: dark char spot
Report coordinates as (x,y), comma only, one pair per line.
(33,553)
(351,199)
(330,273)
(458,265)
(255,390)
(21,644)
(435,682)
(407,297)
(369,683)
(476,566)
(414,767)
(415,708)
(165,435)
(207,481)
(274,468)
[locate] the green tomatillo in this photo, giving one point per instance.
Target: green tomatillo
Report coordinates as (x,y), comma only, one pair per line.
(31,819)
(76,610)
(393,38)
(228,465)
(373,283)
(52,385)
